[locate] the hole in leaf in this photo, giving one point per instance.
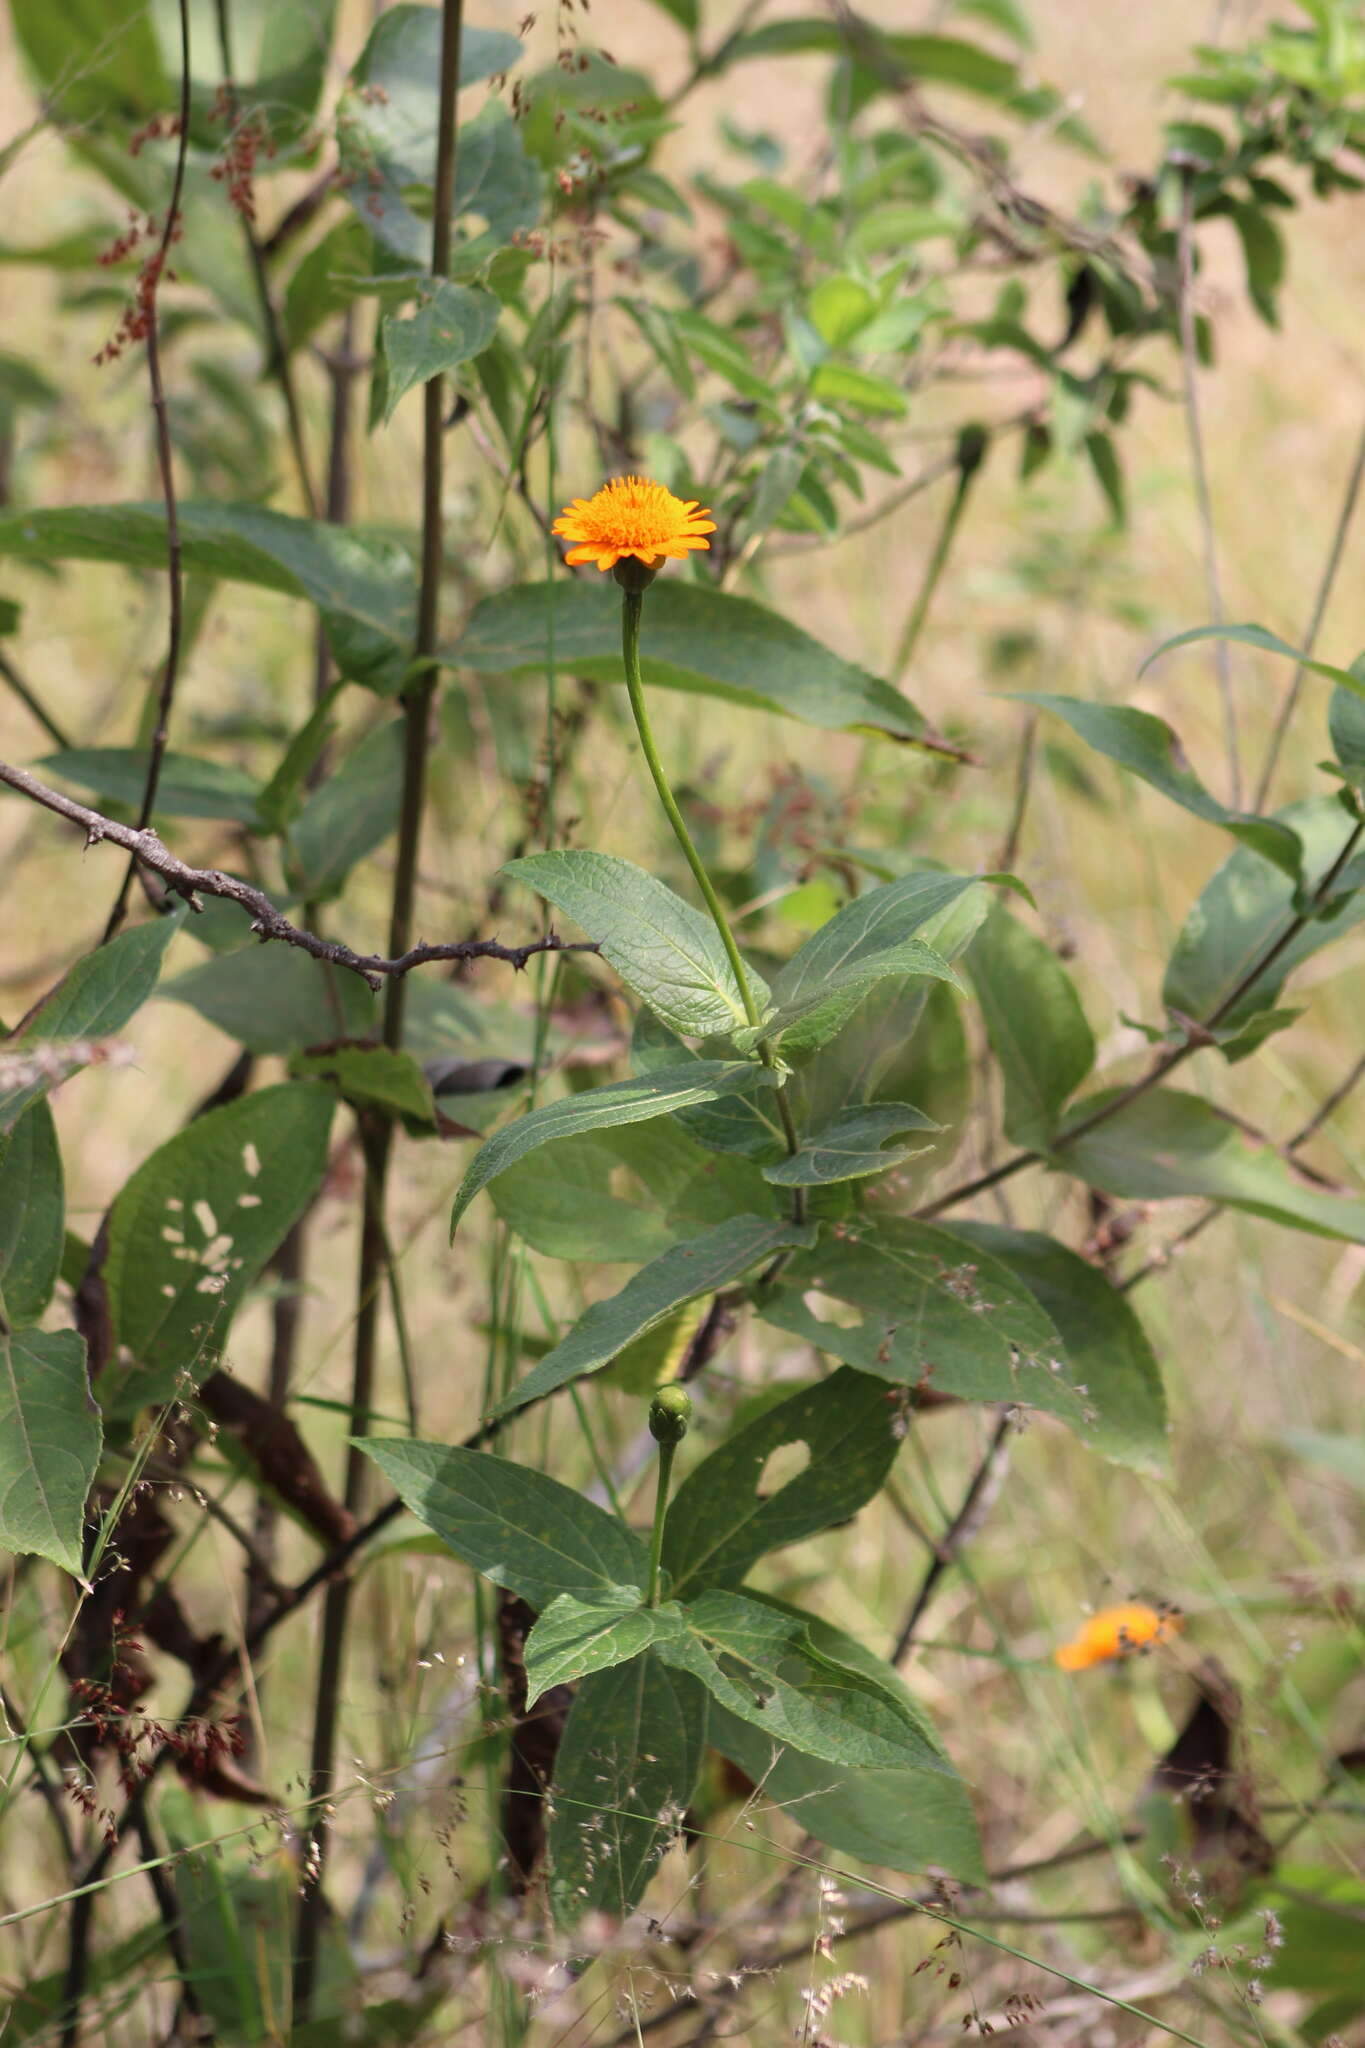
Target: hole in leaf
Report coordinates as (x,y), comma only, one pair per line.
(784,1464)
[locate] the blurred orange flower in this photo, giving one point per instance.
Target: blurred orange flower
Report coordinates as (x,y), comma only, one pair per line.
(1118,1632)
(633,516)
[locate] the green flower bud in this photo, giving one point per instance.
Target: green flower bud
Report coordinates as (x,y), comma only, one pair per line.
(669,1414)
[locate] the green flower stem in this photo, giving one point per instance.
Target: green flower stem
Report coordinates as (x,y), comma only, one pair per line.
(656,1541)
(631,608)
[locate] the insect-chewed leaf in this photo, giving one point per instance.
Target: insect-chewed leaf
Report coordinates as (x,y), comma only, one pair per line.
(191,1230)
(720,1524)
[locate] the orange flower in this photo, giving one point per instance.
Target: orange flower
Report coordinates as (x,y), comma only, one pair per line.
(633,516)
(1118,1632)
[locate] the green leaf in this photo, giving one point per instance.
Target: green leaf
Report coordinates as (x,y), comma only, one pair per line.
(839,384)
(456,322)
(514,1525)
(98,996)
(1035,1023)
(49,1444)
(279,803)
(1346,723)
(839,306)
(291,63)
(622,1102)
(762,1666)
(1169,1145)
(371,1077)
(574,1636)
(364,588)
(721,1521)
(1245,909)
(192,1229)
(1268,643)
(905,1819)
(932,1311)
(569,1212)
(747,1122)
(695,638)
(680,1274)
(187,788)
(1147,747)
(850,1146)
(624,1777)
(1106,1346)
(96,60)
(669,954)
(32,1216)
(823,984)
(274,998)
(401,66)
(348,815)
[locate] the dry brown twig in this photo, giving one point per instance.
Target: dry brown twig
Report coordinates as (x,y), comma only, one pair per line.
(267,922)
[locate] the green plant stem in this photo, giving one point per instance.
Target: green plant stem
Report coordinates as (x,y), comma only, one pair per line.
(933,572)
(631,608)
(378,1140)
(656,1540)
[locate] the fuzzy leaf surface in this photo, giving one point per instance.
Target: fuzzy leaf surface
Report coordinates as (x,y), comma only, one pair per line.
(575,1636)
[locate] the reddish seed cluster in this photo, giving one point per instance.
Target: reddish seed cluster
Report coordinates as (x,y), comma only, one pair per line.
(160,126)
(247,139)
(140,311)
(135,1738)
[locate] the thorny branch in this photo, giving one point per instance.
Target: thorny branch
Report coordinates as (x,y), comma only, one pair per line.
(266,921)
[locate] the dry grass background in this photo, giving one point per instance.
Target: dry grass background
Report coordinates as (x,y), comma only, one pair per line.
(1259,1331)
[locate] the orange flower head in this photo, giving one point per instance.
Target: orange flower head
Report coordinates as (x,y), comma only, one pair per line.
(633,517)
(1118,1632)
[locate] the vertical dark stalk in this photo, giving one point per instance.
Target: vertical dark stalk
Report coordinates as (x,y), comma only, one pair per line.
(377,1138)
(171,672)
(277,355)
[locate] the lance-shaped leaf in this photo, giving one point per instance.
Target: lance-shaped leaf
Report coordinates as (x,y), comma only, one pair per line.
(97,997)
(680,1274)
(515,1526)
(1168,1144)
(191,1230)
(1243,912)
(905,1819)
(669,954)
(1106,1346)
(32,1215)
(1035,1023)
(869,940)
(851,1146)
(1267,643)
(720,1522)
(747,1122)
(762,1665)
(624,1777)
(622,1102)
(933,1311)
(49,1444)
(695,638)
(364,588)
(1147,747)
(575,1636)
